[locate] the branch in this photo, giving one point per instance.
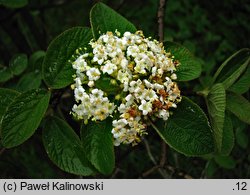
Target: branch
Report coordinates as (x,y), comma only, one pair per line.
(156,166)
(163,147)
(149,152)
(163,153)
(116,171)
(161,13)
(153,169)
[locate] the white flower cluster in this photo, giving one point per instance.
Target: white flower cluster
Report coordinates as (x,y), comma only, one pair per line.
(92,105)
(144,74)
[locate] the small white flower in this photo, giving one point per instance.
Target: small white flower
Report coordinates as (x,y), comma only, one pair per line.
(79,92)
(135,86)
(148,84)
(164,114)
(97,93)
(130,99)
(145,107)
(127,34)
(109,68)
(122,108)
(151,95)
(78,82)
(124,63)
(117,142)
(154,47)
(125,86)
(133,51)
(101,113)
(158,86)
(105,38)
(80,111)
(93,74)
(123,76)
(154,70)
(85,98)
(173,76)
(140,68)
(174,105)
(80,64)
(119,123)
(91,83)
(160,71)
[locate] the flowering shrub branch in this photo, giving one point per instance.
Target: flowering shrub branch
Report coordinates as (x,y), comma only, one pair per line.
(144,72)
(125,86)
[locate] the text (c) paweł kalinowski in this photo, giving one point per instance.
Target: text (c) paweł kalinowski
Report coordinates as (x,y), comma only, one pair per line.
(95,186)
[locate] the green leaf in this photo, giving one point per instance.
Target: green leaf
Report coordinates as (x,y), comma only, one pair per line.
(232,68)
(6,97)
(5,74)
(190,66)
(241,130)
(103,19)
(97,141)
(226,162)
(211,168)
(242,138)
(31,80)
(239,106)
(243,84)
(64,147)
(18,63)
(187,130)
(14,3)
(57,70)
(216,103)
(36,59)
(227,136)
(23,117)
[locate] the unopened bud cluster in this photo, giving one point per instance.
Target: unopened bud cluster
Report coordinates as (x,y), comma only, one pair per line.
(142,72)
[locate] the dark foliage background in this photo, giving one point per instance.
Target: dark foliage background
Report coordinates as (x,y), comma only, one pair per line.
(212,30)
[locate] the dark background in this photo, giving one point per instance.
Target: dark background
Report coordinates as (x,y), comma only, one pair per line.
(213,30)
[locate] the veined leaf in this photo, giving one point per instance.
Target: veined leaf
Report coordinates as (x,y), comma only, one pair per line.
(6,97)
(190,67)
(216,103)
(64,147)
(232,68)
(243,84)
(5,74)
(35,60)
(187,130)
(211,168)
(241,130)
(239,106)
(31,80)
(57,70)
(242,138)
(227,136)
(18,63)
(23,117)
(97,140)
(103,19)
(226,162)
